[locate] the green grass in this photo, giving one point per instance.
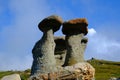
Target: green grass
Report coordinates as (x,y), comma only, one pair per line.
(23,74)
(104,70)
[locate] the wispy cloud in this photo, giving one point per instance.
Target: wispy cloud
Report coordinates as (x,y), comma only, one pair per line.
(101,46)
(19,37)
(91,32)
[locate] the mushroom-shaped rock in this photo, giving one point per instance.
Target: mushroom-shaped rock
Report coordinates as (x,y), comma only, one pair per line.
(75,31)
(52,22)
(43,51)
(75,26)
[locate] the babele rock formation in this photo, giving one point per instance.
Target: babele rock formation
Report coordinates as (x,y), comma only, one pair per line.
(43,51)
(61,58)
(74,31)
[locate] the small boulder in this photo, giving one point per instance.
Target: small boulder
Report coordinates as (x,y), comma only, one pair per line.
(12,77)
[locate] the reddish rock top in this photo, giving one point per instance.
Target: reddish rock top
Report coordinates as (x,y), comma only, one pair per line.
(78,21)
(52,22)
(75,26)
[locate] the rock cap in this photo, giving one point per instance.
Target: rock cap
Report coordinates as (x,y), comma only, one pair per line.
(75,26)
(51,22)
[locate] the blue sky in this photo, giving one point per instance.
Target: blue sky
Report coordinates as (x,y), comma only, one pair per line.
(19,31)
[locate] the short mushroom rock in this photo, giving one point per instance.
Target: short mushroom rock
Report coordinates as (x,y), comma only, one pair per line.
(75,30)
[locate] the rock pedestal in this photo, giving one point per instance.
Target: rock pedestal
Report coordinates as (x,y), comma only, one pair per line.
(79,71)
(74,31)
(43,51)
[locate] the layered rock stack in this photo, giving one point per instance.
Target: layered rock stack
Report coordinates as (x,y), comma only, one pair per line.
(61,58)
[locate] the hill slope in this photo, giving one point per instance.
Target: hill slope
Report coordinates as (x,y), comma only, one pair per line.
(104,70)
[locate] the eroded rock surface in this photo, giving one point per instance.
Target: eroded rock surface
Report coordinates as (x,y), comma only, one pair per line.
(43,51)
(75,31)
(61,58)
(79,71)
(60,50)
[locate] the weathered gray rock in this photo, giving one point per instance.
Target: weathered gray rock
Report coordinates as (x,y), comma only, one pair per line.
(114,78)
(82,71)
(60,50)
(50,52)
(75,31)
(84,44)
(12,77)
(79,71)
(43,51)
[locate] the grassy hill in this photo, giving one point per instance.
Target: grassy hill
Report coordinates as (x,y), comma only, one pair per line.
(104,70)
(23,74)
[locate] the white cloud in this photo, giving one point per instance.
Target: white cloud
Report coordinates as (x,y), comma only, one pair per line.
(91,32)
(101,46)
(20,37)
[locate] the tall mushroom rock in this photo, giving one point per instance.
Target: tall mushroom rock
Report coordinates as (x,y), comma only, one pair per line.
(43,51)
(75,31)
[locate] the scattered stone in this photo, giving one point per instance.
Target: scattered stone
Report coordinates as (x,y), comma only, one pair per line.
(12,77)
